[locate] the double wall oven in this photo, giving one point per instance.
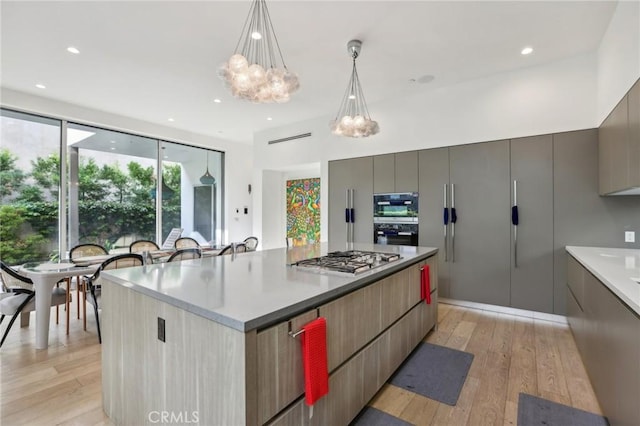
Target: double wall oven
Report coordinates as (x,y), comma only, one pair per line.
(395,218)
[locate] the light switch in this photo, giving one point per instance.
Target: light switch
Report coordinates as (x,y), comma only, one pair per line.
(629,237)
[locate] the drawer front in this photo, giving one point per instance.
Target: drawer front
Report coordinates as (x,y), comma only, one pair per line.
(280,368)
(352,322)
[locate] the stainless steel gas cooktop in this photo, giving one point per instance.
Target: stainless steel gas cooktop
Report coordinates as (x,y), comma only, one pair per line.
(351,262)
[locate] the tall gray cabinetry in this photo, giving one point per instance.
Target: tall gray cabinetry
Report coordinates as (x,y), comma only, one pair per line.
(532,240)
(433,187)
(355,174)
(479,239)
(479,262)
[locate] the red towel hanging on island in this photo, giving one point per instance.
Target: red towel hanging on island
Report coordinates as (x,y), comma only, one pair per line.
(425,284)
(314,355)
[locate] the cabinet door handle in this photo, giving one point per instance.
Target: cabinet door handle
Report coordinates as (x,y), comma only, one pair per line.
(445,221)
(454,219)
(515,221)
(352,213)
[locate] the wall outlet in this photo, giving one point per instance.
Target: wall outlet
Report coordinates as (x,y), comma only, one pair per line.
(629,236)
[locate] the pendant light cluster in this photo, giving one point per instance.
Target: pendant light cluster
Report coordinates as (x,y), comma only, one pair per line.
(353,118)
(254,73)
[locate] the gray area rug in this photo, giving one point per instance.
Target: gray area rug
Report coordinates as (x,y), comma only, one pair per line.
(534,411)
(373,417)
(435,372)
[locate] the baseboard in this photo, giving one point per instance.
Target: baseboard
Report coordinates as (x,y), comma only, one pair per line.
(561,319)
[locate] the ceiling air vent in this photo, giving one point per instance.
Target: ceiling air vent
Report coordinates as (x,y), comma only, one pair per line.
(290,138)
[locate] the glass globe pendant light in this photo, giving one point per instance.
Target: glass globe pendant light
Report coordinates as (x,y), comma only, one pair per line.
(352,119)
(253,72)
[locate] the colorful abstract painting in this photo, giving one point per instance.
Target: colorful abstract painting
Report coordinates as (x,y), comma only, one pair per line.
(303,209)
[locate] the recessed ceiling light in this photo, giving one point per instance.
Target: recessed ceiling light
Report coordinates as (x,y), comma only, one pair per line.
(269,118)
(41,86)
(171,119)
(352,96)
(256,35)
(73,50)
(113,148)
(166,156)
(527,50)
(112,141)
(216,100)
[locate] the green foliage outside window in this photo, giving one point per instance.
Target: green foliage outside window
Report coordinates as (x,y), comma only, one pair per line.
(113,202)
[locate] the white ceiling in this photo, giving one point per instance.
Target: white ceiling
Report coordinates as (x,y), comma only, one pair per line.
(153,60)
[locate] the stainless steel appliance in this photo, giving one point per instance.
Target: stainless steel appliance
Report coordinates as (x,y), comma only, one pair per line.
(395,218)
(402,234)
(351,262)
(396,206)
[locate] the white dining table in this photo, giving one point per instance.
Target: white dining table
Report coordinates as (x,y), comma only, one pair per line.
(44,277)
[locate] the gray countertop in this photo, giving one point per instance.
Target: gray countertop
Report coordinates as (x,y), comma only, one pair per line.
(252,290)
(618,269)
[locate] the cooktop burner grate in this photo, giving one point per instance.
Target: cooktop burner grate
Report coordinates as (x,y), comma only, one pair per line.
(352,261)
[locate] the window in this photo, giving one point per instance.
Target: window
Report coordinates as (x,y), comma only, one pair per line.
(29,187)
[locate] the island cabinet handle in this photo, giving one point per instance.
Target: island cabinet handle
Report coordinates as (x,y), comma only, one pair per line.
(297,333)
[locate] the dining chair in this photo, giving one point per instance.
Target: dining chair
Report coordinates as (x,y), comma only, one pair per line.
(185,254)
(226,250)
(94,287)
(18,297)
(142,245)
(78,251)
(240,248)
(186,242)
(251,243)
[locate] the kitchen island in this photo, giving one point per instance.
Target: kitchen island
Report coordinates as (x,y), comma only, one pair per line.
(208,341)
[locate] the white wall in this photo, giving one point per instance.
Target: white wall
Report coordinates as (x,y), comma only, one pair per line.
(556,97)
(618,57)
(238,157)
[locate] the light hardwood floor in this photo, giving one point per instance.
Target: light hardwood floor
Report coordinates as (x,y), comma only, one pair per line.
(62,385)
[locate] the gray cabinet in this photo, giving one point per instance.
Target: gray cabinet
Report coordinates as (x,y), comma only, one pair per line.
(532,239)
(356,174)
(433,186)
(580,216)
(480,240)
(384,169)
(619,146)
(607,334)
(395,172)
(406,171)
(634,134)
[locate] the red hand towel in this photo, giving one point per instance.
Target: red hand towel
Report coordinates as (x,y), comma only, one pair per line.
(314,355)
(425,284)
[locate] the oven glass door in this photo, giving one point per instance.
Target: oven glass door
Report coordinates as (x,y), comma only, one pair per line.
(395,234)
(395,205)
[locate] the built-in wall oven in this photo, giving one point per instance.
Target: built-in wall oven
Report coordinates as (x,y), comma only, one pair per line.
(395,218)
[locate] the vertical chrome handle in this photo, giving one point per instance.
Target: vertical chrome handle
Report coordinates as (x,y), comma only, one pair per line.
(515,220)
(454,219)
(445,221)
(347,213)
(353,215)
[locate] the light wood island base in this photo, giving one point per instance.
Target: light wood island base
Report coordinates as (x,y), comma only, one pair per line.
(208,373)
